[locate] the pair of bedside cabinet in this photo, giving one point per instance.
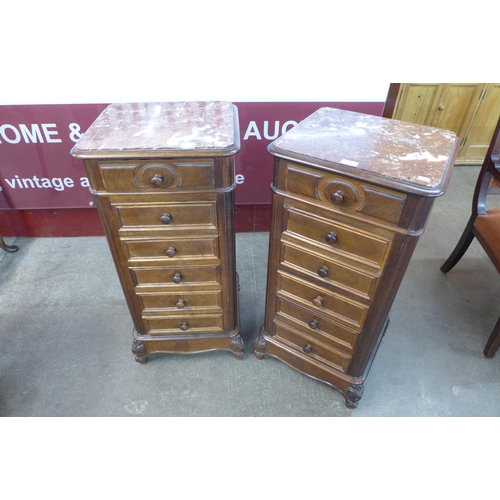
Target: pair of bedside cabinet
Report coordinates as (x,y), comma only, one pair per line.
(351,195)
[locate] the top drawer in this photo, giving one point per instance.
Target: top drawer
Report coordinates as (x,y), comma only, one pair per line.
(131,176)
(345,194)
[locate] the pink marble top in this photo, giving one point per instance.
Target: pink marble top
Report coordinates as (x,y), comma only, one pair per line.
(156,128)
(372,147)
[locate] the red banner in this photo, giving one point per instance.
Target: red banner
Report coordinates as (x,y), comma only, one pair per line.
(38,172)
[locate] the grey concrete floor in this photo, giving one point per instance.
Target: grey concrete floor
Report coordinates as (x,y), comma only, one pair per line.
(66,337)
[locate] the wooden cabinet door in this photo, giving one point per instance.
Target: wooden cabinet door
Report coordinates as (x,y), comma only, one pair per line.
(456,106)
(479,134)
(416,102)
(470,110)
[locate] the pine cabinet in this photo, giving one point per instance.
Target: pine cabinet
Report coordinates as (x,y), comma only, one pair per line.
(470,110)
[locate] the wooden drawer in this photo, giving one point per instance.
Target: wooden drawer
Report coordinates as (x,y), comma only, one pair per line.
(316,325)
(167,215)
(131,176)
(171,249)
(333,235)
(185,324)
(312,348)
(175,276)
(321,300)
(328,270)
(342,193)
(181,301)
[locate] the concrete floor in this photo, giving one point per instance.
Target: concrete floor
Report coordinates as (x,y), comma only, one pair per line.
(66,337)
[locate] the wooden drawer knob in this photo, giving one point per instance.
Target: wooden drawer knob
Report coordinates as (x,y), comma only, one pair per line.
(307,348)
(323,272)
(338,197)
(184,326)
(157,180)
(177,278)
(166,219)
(171,251)
(331,237)
(314,324)
(318,301)
(180,304)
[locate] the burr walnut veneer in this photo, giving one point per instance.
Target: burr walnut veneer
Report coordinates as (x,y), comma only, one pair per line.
(351,195)
(162,175)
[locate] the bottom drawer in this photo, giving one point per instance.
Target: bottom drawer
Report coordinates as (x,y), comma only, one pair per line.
(313,348)
(187,324)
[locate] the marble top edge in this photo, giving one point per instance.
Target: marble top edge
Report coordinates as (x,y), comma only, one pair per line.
(156,127)
(412,154)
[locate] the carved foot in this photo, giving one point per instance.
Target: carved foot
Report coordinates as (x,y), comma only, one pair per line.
(237,346)
(139,349)
(353,395)
(260,347)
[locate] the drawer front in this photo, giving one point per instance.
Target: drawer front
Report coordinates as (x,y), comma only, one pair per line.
(168,216)
(171,249)
(180,301)
(132,176)
(312,348)
(329,271)
(322,301)
(342,193)
(338,237)
(316,326)
(175,277)
(186,324)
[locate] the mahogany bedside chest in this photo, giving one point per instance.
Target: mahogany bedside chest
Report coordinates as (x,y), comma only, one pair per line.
(351,195)
(162,175)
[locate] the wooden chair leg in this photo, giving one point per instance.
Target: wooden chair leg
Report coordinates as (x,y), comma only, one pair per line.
(493,342)
(462,246)
(7,248)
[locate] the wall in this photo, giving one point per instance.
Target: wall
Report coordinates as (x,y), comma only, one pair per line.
(63,63)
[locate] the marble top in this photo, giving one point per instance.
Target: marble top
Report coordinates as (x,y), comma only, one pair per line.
(159,128)
(371,147)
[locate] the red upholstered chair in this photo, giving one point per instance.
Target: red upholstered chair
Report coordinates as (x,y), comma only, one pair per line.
(484,224)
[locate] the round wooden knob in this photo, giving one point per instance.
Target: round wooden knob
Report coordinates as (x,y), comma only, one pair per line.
(318,301)
(177,278)
(331,237)
(157,180)
(307,348)
(323,271)
(184,326)
(180,304)
(338,197)
(166,219)
(314,324)
(171,251)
